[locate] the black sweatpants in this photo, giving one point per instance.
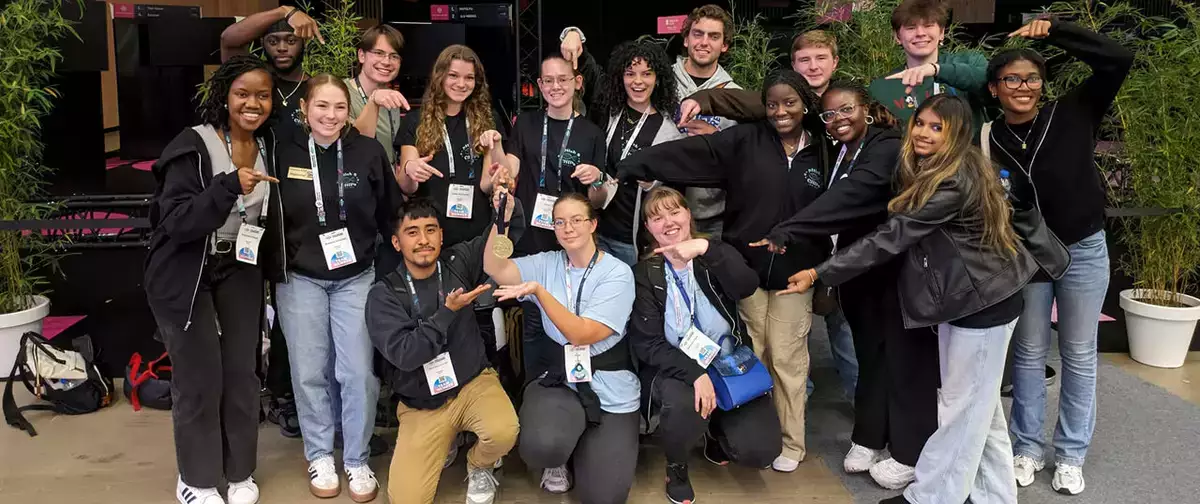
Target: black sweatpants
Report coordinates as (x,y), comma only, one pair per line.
(895,403)
(554,429)
(749,434)
(214,386)
(279,373)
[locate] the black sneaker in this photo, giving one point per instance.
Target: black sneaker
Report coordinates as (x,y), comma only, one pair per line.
(713,451)
(283,414)
(679,488)
(378,445)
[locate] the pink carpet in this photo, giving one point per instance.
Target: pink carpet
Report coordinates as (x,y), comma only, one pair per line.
(53,326)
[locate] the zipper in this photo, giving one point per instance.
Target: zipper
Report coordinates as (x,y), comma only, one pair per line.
(203,251)
(1029,172)
(770,266)
(937,295)
(732,323)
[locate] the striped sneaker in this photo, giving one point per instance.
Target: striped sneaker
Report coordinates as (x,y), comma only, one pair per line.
(191,495)
(323,480)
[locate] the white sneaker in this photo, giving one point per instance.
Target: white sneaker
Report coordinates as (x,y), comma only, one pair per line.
(785,464)
(243,492)
(1025,467)
(556,480)
(363,485)
(893,475)
(323,479)
(481,486)
(191,495)
(860,459)
(1068,479)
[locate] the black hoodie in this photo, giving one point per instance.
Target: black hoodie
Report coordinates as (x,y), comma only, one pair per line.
(763,190)
(371,196)
(188,207)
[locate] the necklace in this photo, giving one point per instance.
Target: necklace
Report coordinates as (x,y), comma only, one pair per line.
(1024,144)
(283,98)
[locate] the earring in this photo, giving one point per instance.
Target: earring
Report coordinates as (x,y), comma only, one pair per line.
(805,110)
(870,120)
(226,106)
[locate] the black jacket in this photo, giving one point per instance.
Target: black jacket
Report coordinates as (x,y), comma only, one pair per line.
(748,161)
(1058,169)
(188,207)
(408,341)
(946,275)
(734,280)
(371,195)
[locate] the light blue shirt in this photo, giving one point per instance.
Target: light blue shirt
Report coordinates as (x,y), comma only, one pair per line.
(607,298)
(679,318)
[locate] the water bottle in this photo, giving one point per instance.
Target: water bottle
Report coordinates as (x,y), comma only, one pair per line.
(1005,182)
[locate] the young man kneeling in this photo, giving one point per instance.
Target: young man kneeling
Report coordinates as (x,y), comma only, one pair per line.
(419,318)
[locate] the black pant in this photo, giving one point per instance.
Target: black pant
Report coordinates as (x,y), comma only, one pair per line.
(749,434)
(895,404)
(555,429)
(279,373)
(535,346)
(214,385)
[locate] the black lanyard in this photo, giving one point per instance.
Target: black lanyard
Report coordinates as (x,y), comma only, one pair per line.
(412,289)
(262,151)
(561,151)
(849,167)
(586,272)
(687,300)
(316,177)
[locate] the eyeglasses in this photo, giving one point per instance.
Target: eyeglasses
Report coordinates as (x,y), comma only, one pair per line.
(574,222)
(379,53)
(560,80)
(1034,82)
(829,116)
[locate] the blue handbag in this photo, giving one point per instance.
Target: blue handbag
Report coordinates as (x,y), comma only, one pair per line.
(738,377)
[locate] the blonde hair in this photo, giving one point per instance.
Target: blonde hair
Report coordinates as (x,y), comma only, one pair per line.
(433,105)
(664,199)
(815,38)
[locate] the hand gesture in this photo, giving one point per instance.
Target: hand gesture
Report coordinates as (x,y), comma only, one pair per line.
(688,110)
(508,205)
(489,140)
(389,99)
(1036,29)
(506,292)
(305,26)
(500,176)
(586,173)
(572,48)
(913,77)
(684,251)
(249,178)
(698,127)
(706,397)
(773,247)
(457,299)
(420,170)
(800,282)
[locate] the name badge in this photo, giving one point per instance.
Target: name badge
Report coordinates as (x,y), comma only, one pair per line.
(460,201)
(543,212)
(337,248)
(699,347)
(439,374)
(248,239)
(578,362)
(295,172)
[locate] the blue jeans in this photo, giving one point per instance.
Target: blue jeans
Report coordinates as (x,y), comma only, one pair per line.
(1080,294)
(841,345)
(621,250)
(970,454)
(324,322)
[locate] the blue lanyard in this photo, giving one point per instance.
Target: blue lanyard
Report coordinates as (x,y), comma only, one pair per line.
(566,137)
(567,278)
(412,289)
(262,151)
(687,300)
(316,179)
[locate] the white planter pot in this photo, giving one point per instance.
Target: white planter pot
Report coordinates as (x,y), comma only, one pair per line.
(1159,336)
(13,325)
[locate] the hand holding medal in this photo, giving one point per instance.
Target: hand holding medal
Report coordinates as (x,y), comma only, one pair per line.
(502,246)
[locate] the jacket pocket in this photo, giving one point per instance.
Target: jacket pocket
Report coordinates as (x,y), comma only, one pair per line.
(935,289)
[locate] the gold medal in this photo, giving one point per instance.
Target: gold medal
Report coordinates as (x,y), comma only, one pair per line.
(502,246)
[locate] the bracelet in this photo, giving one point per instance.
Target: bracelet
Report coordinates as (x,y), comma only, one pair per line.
(813,274)
(937,69)
(289,15)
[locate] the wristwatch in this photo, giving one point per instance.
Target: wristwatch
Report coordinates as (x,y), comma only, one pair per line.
(563,36)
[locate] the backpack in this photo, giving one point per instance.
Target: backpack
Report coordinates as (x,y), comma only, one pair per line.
(149,384)
(66,378)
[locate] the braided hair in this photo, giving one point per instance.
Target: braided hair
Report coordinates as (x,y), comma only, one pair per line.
(664,98)
(882,116)
(215,95)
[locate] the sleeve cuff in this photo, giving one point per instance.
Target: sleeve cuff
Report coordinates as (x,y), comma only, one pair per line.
(230,181)
(827,275)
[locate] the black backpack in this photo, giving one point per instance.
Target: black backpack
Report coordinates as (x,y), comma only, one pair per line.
(84,392)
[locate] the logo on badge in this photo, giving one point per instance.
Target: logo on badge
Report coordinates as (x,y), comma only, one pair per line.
(246,253)
(442,383)
(543,220)
(339,259)
(458,210)
(706,352)
(578,372)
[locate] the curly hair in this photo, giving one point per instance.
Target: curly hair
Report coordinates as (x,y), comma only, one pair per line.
(433,104)
(664,98)
(882,116)
(215,95)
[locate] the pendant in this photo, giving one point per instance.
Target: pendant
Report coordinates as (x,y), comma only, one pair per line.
(1023,146)
(284,100)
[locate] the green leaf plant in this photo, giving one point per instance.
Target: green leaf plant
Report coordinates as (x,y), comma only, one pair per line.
(751,57)
(339,54)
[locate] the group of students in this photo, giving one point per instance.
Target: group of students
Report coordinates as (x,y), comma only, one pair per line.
(629,226)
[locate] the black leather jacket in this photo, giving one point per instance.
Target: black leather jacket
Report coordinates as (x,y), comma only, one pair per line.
(947,275)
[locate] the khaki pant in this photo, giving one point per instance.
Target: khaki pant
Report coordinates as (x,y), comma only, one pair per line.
(481,407)
(779,327)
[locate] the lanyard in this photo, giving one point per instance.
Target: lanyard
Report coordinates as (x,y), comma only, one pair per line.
(262,151)
(450,149)
(637,129)
(412,289)
(567,278)
(842,155)
(566,137)
(363,93)
(316,180)
(687,300)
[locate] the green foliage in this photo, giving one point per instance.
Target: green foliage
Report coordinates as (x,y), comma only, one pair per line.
(27,64)
(339,53)
(751,57)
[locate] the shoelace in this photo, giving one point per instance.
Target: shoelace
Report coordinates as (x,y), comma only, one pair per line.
(249,483)
(556,474)
(678,472)
(321,467)
(481,480)
(361,475)
(1071,472)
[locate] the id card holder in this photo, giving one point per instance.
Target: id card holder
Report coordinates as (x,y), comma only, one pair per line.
(460,201)
(439,374)
(543,212)
(699,347)
(248,238)
(578,362)
(337,248)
